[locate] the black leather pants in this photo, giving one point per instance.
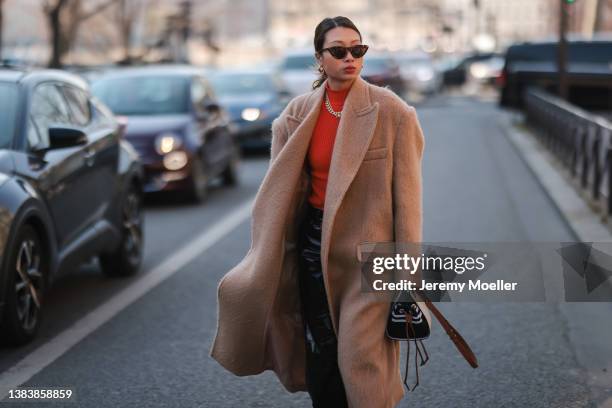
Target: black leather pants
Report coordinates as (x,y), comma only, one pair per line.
(323,378)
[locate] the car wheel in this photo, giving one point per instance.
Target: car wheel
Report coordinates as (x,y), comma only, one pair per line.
(126,260)
(25,288)
(199,181)
(230,174)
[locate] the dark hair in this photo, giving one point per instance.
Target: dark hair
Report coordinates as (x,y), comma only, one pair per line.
(319,38)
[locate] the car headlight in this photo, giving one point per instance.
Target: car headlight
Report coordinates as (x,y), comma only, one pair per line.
(175,160)
(424,74)
(479,70)
(3,178)
(167,142)
(251,114)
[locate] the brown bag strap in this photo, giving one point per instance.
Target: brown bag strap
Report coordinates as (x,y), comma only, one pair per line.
(454,335)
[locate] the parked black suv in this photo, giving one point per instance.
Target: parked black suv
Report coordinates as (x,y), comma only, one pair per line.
(589,67)
(70,189)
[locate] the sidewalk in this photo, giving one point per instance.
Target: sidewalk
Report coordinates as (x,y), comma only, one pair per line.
(556,181)
(591,341)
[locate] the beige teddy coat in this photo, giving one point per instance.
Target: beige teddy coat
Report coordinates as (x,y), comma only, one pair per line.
(373,195)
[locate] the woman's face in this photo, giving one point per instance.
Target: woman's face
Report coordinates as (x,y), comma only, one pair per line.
(336,69)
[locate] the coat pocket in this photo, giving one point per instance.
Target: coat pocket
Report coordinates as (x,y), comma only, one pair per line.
(364,248)
(377,153)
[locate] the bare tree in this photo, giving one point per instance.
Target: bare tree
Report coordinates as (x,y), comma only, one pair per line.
(602,8)
(127,13)
(64,18)
(53,11)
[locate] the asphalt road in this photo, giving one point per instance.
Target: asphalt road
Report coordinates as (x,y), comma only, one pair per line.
(154,352)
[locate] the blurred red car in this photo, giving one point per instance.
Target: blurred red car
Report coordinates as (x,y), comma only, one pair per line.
(176,124)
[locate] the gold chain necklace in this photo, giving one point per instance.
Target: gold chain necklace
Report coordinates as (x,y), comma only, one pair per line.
(329,107)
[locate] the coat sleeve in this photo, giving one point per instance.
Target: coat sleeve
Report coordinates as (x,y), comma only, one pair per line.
(407,183)
(279,130)
(279,137)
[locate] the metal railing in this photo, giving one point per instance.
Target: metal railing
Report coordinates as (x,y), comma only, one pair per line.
(581,140)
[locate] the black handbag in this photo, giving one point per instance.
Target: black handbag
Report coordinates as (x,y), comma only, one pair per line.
(407,321)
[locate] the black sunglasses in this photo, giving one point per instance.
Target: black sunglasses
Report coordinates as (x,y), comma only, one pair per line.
(357,51)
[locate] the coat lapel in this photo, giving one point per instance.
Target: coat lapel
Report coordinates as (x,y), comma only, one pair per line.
(353,138)
(355,132)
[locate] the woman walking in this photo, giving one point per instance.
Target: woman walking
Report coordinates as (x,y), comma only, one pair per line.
(345,169)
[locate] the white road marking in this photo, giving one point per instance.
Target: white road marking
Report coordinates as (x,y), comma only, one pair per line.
(37,360)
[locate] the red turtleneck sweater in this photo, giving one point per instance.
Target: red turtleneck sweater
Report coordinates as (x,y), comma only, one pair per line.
(322,144)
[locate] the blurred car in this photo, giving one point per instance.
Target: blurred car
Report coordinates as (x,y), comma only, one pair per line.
(487,70)
(451,70)
(589,71)
(458,71)
(298,70)
(89,72)
(383,70)
(272,64)
(70,189)
(419,72)
(176,124)
(253,99)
